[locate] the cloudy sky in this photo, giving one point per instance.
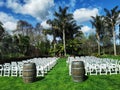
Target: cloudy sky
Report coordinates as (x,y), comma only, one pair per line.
(35,11)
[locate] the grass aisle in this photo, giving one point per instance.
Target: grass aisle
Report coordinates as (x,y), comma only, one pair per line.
(58,79)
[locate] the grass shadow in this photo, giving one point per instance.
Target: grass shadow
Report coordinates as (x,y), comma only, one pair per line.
(85,78)
(39,78)
(80,79)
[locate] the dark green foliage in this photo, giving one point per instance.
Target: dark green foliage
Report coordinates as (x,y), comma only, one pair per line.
(43,48)
(74,44)
(14,46)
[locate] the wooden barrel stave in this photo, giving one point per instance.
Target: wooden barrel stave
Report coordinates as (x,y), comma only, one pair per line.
(29,72)
(78,71)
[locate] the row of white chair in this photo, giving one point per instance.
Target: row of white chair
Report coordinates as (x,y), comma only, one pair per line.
(95,66)
(43,65)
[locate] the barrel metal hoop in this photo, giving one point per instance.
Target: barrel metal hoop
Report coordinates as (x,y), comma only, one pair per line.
(77,76)
(77,68)
(28,77)
(29,70)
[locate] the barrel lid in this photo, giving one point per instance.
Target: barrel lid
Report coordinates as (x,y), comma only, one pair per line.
(77,63)
(29,64)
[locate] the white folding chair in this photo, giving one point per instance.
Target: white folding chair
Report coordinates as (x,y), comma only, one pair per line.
(14,69)
(40,71)
(112,68)
(103,69)
(7,69)
(93,69)
(87,68)
(20,68)
(1,69)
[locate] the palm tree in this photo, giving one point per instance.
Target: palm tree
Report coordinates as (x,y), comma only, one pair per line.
(98,24)
(53,31)
(72,30)
(63,27)
(112,17)
(63,19)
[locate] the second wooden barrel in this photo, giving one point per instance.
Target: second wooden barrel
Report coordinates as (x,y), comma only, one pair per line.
(29,72)
(78,71)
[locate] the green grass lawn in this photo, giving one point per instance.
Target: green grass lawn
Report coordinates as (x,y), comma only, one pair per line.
(58,79)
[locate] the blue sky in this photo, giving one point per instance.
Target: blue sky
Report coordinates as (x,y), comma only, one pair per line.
(35,11)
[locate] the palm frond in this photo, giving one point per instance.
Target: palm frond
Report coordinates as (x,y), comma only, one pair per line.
(107,12)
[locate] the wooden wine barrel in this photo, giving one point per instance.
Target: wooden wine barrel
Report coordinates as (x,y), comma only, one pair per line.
(78,71)
(29,72)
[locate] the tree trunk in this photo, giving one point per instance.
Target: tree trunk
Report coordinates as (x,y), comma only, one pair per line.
(54,48)
(64,46)
(54,40)
(119,34)
(98,44)
(114,41)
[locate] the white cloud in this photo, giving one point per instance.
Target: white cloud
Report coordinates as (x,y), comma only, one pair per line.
(36,8)
(86,29)
(14,5)
(84,14)
(9,23)
(45,25)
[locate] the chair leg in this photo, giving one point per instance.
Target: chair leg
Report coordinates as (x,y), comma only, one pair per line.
(93,72)
(1,72)
(7,73)
(103,71)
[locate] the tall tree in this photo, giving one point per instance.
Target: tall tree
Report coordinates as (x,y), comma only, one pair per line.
(106,37)
(97,22)
(24,28)
(38,29)
(119,34)
(65,22)
(53,32)
(1,30)
(62,17)
(112,17)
